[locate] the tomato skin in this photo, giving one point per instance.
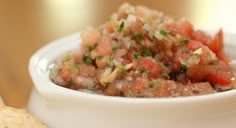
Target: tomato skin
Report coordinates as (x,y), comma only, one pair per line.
(65,73)
(202,37)
(139,86)
(219,80)
(193,45)
(183,26)
(217,43)
(222,57)
(154,70)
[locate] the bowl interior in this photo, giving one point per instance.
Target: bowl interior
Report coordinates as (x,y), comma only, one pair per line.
(42,61)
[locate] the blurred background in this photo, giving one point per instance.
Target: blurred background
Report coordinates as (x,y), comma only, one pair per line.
(27,25)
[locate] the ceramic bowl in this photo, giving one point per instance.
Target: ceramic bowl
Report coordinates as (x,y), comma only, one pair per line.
(64,108)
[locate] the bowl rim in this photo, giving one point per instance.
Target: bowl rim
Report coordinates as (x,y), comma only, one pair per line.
(41,81)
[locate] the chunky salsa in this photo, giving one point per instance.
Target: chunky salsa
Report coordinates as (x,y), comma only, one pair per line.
(140,52)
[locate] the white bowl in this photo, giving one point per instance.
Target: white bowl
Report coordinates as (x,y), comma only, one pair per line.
(64,108)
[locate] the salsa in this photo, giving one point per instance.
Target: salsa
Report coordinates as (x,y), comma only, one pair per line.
(140,52)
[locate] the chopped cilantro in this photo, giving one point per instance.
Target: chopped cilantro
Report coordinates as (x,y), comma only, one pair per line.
(99,57)
(67,58)
(183,68)
(136,55)
(167,65)
(185,51)
(116,47)
(121,68)
(171,33)
(121,26)
(166,76)
(87,59)
(144,70)
(107,84)
(89,48)
(139,36)
(74,66)
(153,83)
(110,58)
(146,52)
(70,82)
(185,40)
(59,70)
(163,32)
(95,45)
(132,43)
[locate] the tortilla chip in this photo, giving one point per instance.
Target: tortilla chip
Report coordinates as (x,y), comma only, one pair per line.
(16,118)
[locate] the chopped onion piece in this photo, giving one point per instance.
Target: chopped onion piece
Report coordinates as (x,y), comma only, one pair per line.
(158,35)
(131,18)
(198,51)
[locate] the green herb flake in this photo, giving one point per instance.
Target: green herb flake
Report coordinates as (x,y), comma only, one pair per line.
(89,48)
(183,68)
(166,76)
(70,82)
(121,26)
(87,59)
(163,32)
(121,68)
(139,36)
(99,57)
(95,45)
(146,52)
(185,51)
(136,55)
(110,59)
(167,65)
(171,33)
(185,40)
(59,70)
(132,43)
(74,66)
(107,84)
(116,47)
(67,58)
(153,83)
(144,70)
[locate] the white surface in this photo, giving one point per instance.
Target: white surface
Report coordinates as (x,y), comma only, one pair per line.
(64,108)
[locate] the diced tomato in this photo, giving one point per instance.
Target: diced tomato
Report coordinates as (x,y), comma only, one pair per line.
(65,73)
(217,79)
(202,88)
(183,26)
(102,62)
(148,63)
(222,57)
(139,86)
(137,27)
(87,70)
(90,37)
(163,89)
(111,26)
(193,45)
(202,37)
(112,90)
(217,43)
(154,70)
(105,46)
(219,74)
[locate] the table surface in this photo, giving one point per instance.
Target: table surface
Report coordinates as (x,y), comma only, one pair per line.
(27,25)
